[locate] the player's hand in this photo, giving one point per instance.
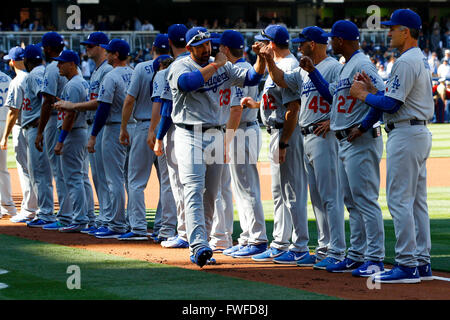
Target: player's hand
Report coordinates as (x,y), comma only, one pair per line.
(322,128)
(158,148)
(257,46)
(363,77)
(249,102)
(359,90)
(354,133)
(62,105)
(91,144)
(220,59)
(39,142)
(307,64)
(267,53)
(58,148)
(124,137)
(4,143)
(226,156)
(281,155)
(151,139)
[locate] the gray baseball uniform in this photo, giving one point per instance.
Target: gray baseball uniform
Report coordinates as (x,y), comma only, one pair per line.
(408,147)
(289,185)
(96,159)
(53,85)
(15,99)
(200,171)
(38,164)
(74,152)
(321,160)
(142,158)
(113,90)
(360,171)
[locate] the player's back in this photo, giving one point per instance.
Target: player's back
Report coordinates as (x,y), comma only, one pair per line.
(141,89)
(75,90)
(31,108)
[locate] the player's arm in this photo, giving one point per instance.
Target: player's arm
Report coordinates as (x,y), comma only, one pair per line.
(69,120)
(127,109)
(232,125)
(275,73)
(46,111)
(155,120)
(165,124)
(11,119)
(99,121)
(62,105)
(290,122)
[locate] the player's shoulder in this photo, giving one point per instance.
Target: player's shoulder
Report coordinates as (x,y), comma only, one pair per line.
(243,64)
(290,61)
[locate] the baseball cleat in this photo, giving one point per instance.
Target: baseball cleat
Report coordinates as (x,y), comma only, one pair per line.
(368,269)
(347,265)
(38,223)
(108,234)
(322,265)
(399,274)
(307,261)
(290,257)
(250,250)
(425,272)
(175,242)
(268,255)
(131,236)
(20,219)
(73,228)
(88,229)
(232,249)
(101,229)
(55,226)
(217,249)
(202,256)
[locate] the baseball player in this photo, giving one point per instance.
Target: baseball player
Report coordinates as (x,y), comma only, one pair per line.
(98,54)
(198,87)
(360,150)
(109,113)
(165,142)
(279,112)
(38,162)
(321,148)
(138,103)
(14,101)
(72,139)
(407,105)
(52,87)
(6,201)
(243,150)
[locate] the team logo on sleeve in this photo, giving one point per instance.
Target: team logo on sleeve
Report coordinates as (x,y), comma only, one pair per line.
(395,84)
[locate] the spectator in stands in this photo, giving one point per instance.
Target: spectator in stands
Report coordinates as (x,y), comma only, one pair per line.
(215,24)
(103,25)
(89,26)
(147,26)
(444,69)
(206,24)
(240,24)
(15,25)
(423,40)
(426,52)
(440,98)
(446,55)
(137,24)
(381,71)
(227,23)
(433,62)
(36,26)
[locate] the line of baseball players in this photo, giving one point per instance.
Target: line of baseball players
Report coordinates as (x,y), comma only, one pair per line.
(195,118)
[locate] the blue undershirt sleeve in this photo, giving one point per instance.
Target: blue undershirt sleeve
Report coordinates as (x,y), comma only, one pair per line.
(321,85)
(164,126)
(100,117)
(383,103)
(372,117)
(190,81)
(252,78)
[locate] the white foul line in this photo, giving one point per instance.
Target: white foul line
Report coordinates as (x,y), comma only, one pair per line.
(441,278)
(3,286)
(2,271)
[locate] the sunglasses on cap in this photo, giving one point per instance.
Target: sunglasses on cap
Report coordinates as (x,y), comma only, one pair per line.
(199,37)
(267,36)
(90,46)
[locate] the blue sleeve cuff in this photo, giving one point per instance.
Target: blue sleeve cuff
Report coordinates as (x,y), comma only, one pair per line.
(191,81)
(166,108)
(383,103)
(252,78)
(100,117)
(156,99)
(62,135)
(372,117)
(164,126)
(321,85)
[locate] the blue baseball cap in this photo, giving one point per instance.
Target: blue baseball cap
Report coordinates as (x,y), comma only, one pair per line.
(117,45)
(96,39)
(215,40)
(313,33)
(161,41)
(32,52)
(274,33)
(15,53)
(51,39)
(343,29)
(232,39)
(404,17)
(196,36)
(177,32)
(68,56)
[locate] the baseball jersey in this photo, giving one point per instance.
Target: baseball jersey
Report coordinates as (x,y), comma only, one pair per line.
(314,108)
(16,92)
(346,110)
(166,92)
(94,83)
(203,106)
(410,82)
(141,89)
(272,103)
(75,90)
(53,81)
(113,90)
(159,84)
(31,108)
(4,84)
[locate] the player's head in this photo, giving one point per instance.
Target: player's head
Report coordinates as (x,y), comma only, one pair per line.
(343,34)
(93,42)
(311,40)
(52,43)
(198,42)
(232,43)
(117,51)
(15,57)
(160,45)
(277,35)
(32,57)
(404,26)
(177,35)
(68,62)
